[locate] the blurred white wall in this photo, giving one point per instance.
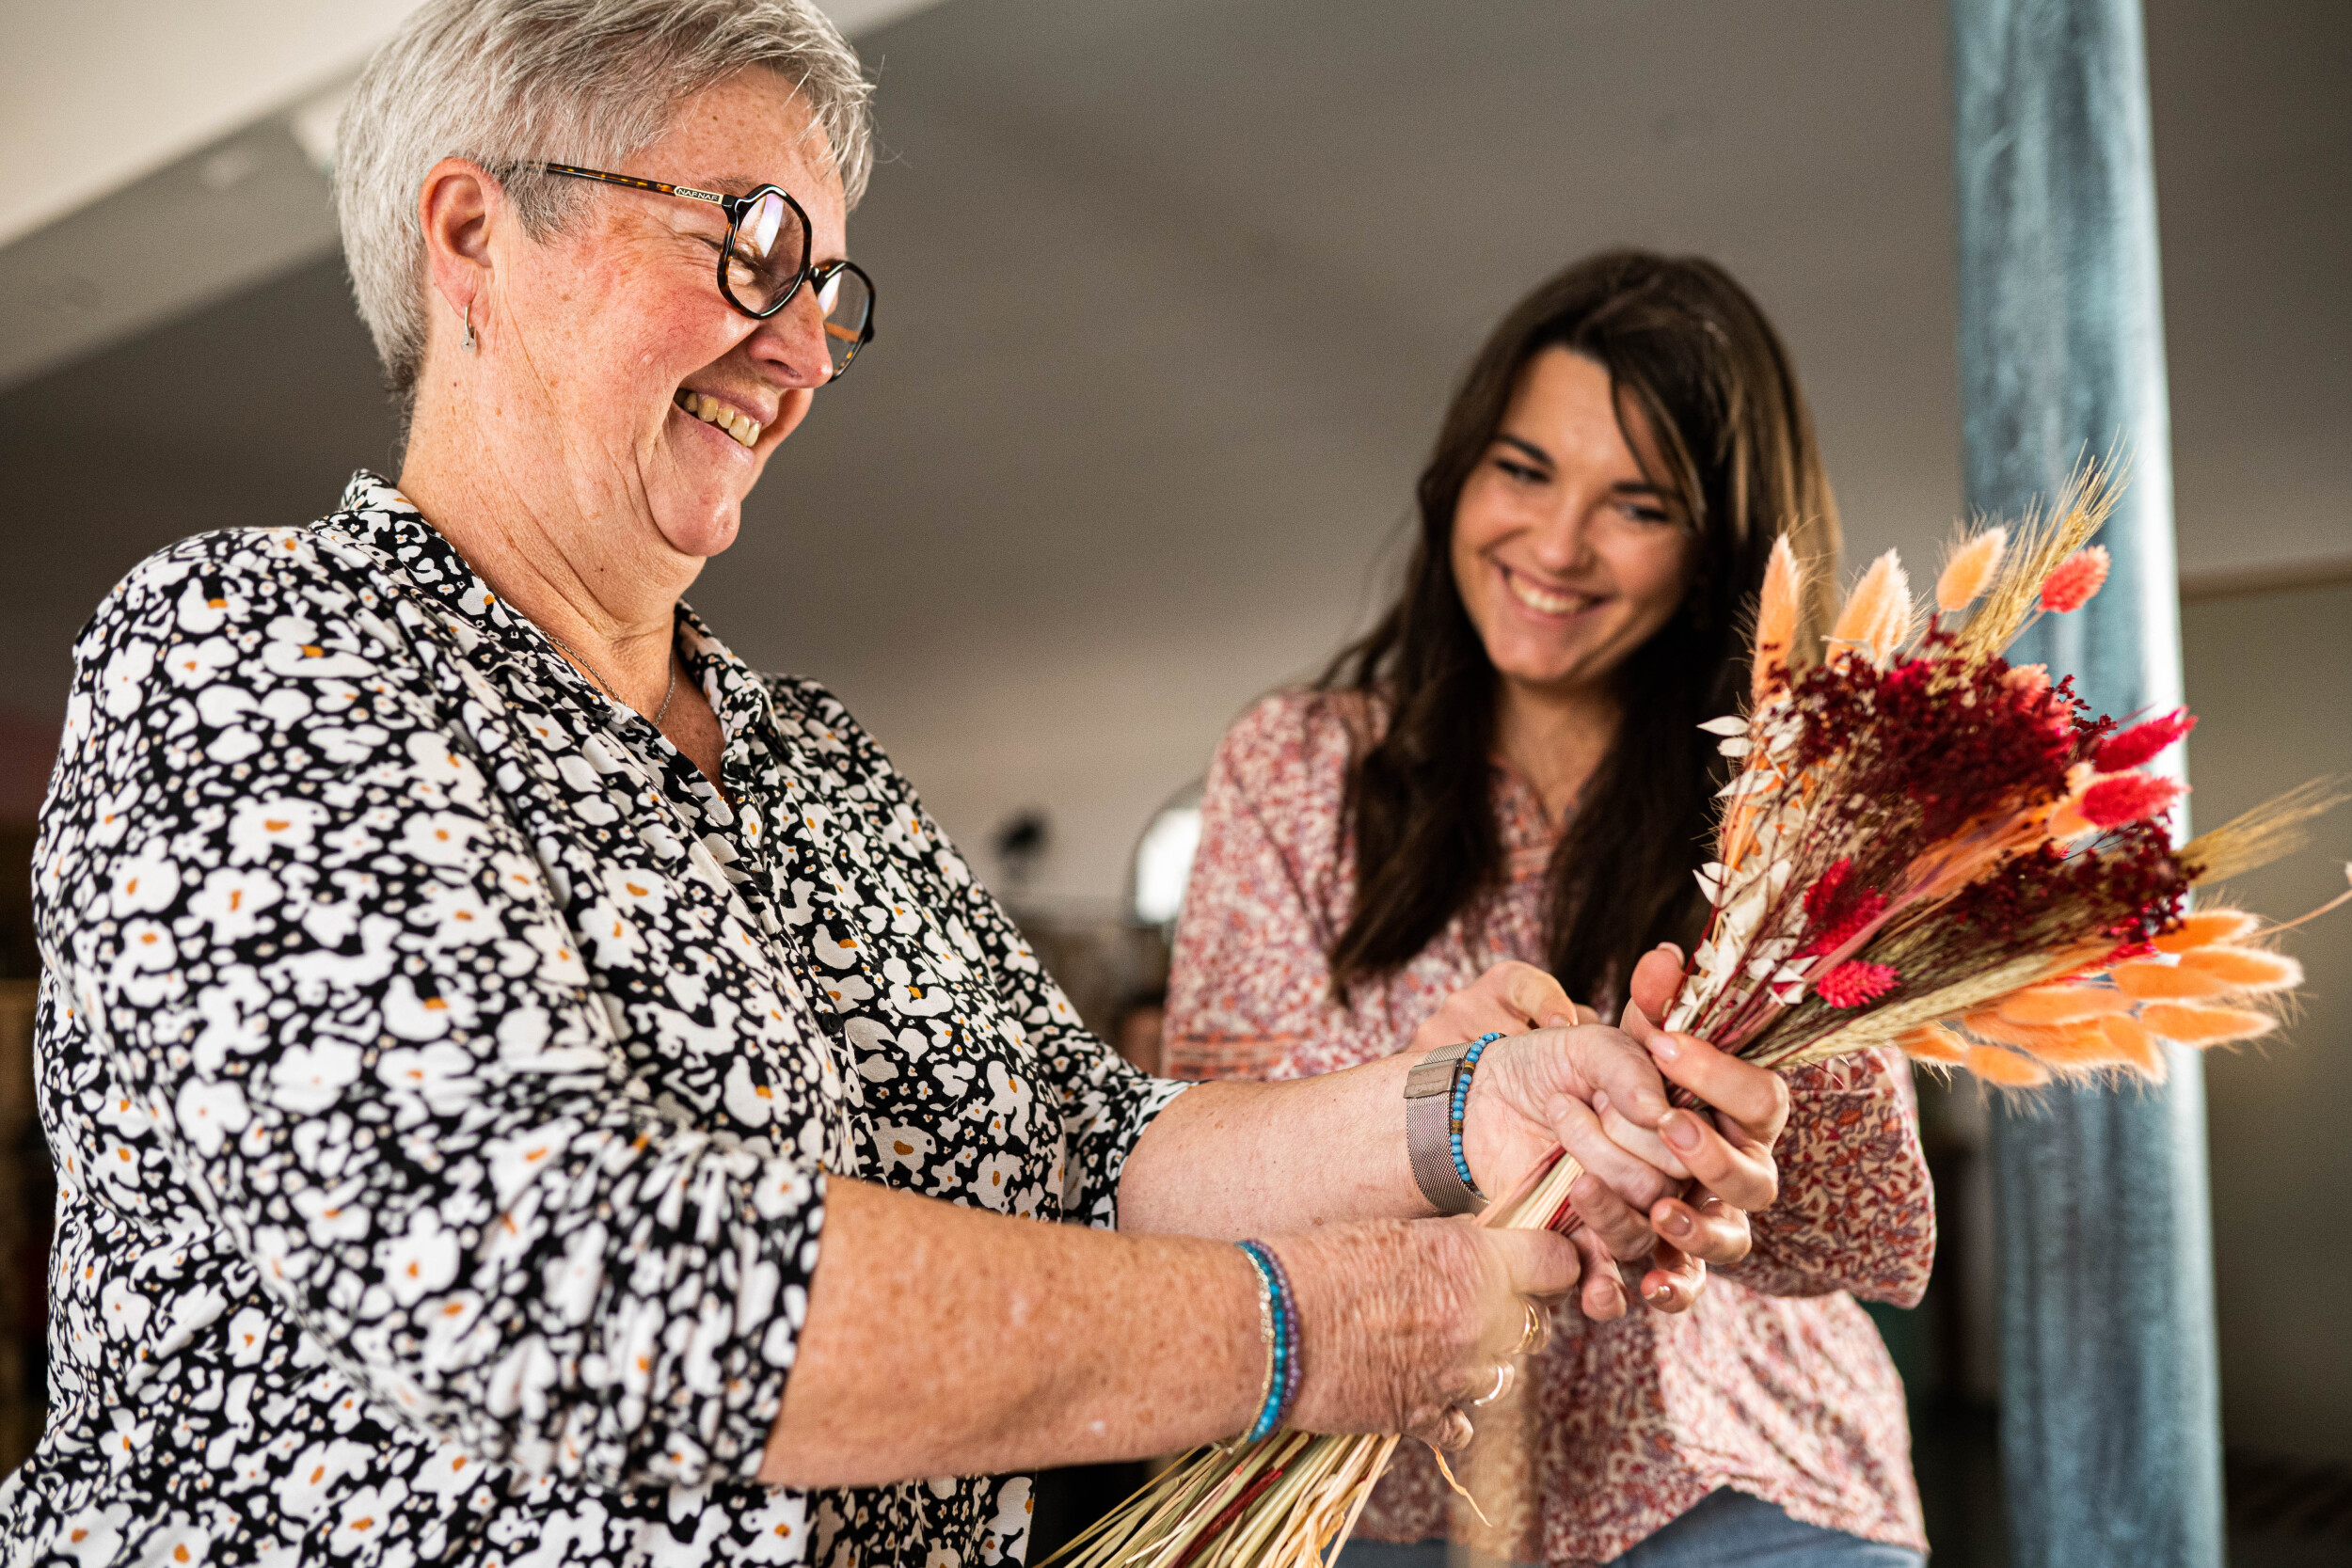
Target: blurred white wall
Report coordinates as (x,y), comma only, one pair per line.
(2265,678)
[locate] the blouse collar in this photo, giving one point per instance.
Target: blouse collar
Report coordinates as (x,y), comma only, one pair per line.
(374,511)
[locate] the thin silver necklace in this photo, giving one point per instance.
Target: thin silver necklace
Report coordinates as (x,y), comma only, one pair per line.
(606,687)
(573,654)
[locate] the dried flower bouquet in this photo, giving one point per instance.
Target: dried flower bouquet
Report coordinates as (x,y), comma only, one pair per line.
(1921,846)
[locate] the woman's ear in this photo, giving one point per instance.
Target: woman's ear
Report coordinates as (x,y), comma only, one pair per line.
(456,206)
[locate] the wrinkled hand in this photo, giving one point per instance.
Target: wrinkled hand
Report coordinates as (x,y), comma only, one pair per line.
(1404,1321)
(1576,1087)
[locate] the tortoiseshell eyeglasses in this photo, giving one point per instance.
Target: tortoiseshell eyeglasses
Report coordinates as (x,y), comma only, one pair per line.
(763,260)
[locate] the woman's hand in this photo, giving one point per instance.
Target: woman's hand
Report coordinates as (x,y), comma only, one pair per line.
(1408,1321)
(1233,1160)
(1631,1208)
(1535,1092)
(1511,998)
(1727,1154)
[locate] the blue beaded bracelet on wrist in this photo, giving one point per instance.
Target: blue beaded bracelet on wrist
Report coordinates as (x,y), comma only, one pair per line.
(1461,1099)
(1279,1312)
(1294,1360)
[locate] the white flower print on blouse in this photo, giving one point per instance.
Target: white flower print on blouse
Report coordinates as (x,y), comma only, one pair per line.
(442,1076)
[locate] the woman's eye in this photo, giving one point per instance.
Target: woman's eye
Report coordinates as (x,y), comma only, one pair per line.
(740,266)
(1641,514)
(1519,472)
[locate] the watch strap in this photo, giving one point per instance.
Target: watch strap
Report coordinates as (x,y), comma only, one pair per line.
(1428,1130)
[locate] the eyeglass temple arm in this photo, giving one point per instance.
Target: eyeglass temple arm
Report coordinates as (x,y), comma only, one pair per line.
(714,198)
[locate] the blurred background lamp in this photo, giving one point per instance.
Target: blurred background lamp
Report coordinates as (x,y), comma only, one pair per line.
(1164,859)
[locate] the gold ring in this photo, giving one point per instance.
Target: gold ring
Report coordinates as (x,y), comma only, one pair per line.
(1534,1335)
(1502,1383)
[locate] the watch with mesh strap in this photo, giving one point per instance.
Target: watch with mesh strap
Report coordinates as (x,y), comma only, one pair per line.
(1429,1130)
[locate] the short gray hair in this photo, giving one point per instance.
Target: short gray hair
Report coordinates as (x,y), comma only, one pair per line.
(506,83)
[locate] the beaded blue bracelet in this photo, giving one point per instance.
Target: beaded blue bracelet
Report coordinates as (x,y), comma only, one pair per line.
(1279,1310)
(1296,1358)
(1461,1099)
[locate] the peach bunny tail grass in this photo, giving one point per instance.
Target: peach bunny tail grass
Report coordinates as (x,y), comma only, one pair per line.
(2043,1006)
(1935,1045)
(1986,1023)
(2194,1023)
(2208,926)
(2155,982)
(2134,1044)
(1898,619)
(1881,599)
(2250,969)
(2270,830)
(2006,1068)
(1969,569)
(2080,1050)
(1776,619)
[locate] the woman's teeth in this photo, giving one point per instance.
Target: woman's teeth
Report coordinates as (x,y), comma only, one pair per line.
(1543,602)
(711,411)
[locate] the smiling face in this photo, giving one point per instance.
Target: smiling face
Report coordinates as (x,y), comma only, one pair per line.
(1567,556)
(654,398)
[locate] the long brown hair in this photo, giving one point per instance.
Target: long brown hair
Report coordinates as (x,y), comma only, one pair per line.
(1688,347)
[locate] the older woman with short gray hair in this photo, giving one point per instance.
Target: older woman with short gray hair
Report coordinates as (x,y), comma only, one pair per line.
(527,1088)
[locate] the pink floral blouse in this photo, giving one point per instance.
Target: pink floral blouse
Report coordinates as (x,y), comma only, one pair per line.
(1775,1384)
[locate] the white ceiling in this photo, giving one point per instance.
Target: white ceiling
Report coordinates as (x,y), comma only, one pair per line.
(99,93)
(1170,293)
(135,131)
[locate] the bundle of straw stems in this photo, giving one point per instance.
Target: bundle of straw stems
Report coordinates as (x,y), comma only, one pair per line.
(1284,1501)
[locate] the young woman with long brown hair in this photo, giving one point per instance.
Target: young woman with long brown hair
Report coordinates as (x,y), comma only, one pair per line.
(1509,765)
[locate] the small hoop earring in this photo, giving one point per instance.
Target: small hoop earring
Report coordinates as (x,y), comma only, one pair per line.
(468,344)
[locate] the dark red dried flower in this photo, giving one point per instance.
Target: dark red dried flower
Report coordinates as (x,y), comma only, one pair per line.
(2127,885)
(1849,923)
(1822,895)
(1950,738)
(2076,712)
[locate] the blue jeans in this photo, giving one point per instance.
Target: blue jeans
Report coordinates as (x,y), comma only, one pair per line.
(1727,1530)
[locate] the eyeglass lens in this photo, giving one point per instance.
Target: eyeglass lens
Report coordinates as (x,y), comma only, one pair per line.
(771,248)
(846,301)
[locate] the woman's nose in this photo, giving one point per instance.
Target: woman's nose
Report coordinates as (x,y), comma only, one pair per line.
(792,342)
(1564,541)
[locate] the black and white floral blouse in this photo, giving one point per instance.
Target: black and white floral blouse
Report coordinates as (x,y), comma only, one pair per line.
(441,1077)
